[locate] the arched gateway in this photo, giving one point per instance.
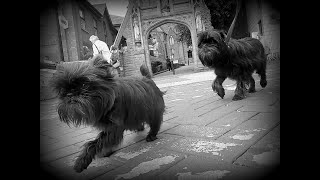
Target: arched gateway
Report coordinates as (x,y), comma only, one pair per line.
(143,16)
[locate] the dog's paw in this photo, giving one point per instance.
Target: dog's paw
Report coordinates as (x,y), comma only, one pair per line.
(237,97)
(151,138)
(220,90)
(221,93)
(79,165)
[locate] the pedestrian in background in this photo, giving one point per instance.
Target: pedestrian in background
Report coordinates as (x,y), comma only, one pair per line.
(168,63)
(115,59)
(100,47)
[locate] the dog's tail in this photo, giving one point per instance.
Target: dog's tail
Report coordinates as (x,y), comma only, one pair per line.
(145,71)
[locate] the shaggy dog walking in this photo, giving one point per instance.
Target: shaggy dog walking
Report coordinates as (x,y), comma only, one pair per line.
(89,94)
(236,59)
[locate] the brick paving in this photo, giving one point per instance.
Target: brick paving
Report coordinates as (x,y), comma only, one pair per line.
(202,136)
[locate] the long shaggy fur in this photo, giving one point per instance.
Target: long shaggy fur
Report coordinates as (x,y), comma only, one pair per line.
(89,94)
(237,60)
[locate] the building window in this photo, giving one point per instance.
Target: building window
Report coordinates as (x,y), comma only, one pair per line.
(189,54)
(104,28)
(151,53)
(145,4)
(95,27)
(95,23)
(172,54)
(81,13)
(171,41)
(260,28)
(82,19)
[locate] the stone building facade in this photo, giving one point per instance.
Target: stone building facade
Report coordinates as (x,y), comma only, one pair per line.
(65,28)
(110,30)
(143,16)
(263,19)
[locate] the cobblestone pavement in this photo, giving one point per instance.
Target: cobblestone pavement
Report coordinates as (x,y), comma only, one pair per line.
(202,136)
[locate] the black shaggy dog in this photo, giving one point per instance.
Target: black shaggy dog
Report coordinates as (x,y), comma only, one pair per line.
(237,60)
(89,94)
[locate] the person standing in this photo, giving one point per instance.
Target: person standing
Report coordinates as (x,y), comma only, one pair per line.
(168,63)
(100,47)
(115,59)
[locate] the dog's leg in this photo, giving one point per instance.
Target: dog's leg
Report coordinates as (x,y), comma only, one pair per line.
(263,76)
(154,128)
(107,144)
(217,85)
(86,156)
(252,88)
(239,92)
(103,146)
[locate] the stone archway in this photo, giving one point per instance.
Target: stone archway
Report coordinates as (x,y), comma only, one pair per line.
(165,21)
(145,15)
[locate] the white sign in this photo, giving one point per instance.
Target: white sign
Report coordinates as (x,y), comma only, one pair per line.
(175,61)
(63,22)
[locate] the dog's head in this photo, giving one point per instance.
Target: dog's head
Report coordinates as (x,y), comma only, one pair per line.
(83,89)
(212,47)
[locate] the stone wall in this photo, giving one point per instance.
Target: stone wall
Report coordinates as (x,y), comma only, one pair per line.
(133,56)
(45,91)
(270,19)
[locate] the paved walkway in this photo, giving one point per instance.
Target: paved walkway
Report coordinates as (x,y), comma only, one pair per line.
(202,136)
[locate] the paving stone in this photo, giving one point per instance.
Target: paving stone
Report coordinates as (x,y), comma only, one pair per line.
(201,146)
(98,166)
(203,110)
(141,148)
(229,146)
(170,116)
(60,153)
(207,115)
(215,129)
(232,120)
(246,134)
(145,167)
(66,132)
(197,167)
(257,108)
(268,116)
(265,153)
(48,125)
(196,131)
(166,126)
(207,103)
(49,172)
(257,99)
(218,113)
(45,140)
(207,98)
(67,141)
